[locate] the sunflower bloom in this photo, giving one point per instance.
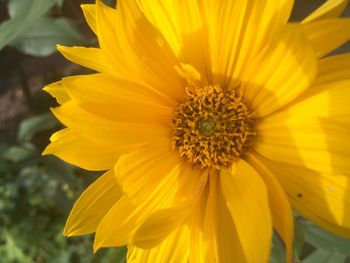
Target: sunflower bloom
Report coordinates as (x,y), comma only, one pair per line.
(213,120)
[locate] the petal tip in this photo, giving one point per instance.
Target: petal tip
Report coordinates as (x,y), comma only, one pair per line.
(68,231)
(60,47)
(96,246)
(46,152)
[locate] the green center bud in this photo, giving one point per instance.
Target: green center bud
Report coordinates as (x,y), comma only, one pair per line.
(206,126)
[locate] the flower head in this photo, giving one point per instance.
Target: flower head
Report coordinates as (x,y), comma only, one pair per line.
(213,120)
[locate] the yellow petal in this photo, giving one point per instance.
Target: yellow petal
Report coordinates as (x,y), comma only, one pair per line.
(118,99)
(114,43)
(189,73)
(99,129)
(325,196)
(119,225)
(187,25)
(106,21)
(92,205)
(157,60)
(202,248)
(330,9)
(312,133)
(137,49)
(57,91)
(160,225)
(328,225)
(251,23)
(93,58)
(183,28)
(229,246)
(116,227)
(130,111)
(175,20)
(246,196)
(214,237)
(109,89)
(327,35)
(155,172)
(281,211)
(322,146)
(333,69)
(174,249)
(69,146)
(90,16)
(280,73)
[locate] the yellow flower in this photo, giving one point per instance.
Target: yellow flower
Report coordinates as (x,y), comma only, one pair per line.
(211,118)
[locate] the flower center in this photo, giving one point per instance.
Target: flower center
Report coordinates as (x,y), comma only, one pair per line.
(212,127)
(206,126)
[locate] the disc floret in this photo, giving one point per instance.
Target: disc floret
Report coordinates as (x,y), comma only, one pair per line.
(212,127)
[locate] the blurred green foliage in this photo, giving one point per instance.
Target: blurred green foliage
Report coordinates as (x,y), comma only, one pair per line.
(37,193)
(312,245)
(33,30)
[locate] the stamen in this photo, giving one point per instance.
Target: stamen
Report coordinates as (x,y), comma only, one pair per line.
(213,127)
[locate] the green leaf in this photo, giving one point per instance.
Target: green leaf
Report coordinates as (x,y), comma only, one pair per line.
(278,252)
(324,256)
(59,170)
(23,15)
(110,3)
(322,239)
(18,8)
(299,239)
(121,254)
(19,153)
(29,127)
(11,251)
(43,36)
(4,146)
(59,3)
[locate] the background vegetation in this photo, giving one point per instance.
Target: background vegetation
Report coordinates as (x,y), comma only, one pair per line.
(37,193)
